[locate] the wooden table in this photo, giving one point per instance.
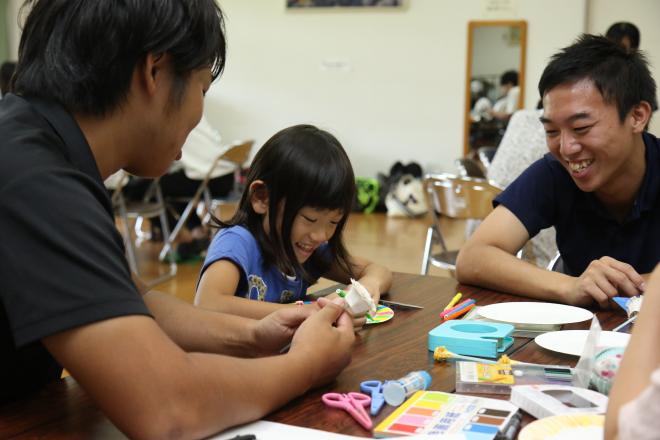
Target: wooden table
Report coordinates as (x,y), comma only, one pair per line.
(389,350)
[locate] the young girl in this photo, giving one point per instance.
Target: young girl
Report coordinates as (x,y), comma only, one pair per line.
(287,231)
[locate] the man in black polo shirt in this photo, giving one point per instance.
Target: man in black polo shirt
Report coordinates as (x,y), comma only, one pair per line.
(102,85)
(599,186)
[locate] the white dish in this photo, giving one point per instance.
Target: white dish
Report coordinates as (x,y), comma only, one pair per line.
(572,341)
(535,313)
(565,427)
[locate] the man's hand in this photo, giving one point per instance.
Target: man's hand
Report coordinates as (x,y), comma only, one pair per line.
(602,280)
(273,332)
(325,341)
(358,320)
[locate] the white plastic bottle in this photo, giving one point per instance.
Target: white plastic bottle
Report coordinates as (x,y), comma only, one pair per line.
(396,391)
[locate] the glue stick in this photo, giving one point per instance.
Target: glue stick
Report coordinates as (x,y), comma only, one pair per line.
(396,391)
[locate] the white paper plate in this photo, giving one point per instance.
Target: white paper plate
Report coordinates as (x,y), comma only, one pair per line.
(572,341)
(535,313)
(565,427)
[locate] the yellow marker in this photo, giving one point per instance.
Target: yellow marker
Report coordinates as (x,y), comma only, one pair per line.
(454,300)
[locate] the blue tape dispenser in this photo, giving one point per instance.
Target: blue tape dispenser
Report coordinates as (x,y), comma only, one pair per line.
(472,339)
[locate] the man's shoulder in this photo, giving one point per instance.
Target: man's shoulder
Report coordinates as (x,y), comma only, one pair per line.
(20,121)
(27,141)
(547,168)
(652,141)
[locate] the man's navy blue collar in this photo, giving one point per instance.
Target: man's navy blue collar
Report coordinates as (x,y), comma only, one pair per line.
(648,191)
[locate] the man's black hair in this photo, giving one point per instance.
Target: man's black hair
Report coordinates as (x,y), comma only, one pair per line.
(509,77)
(623,29)
(622,78)
(82,53)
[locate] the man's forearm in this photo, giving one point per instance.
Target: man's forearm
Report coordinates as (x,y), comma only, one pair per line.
(494,268)
(195,329)
(150,388)
(238,306)
(244,390)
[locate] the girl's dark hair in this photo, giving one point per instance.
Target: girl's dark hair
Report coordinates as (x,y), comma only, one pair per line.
(622,78)
(300,166)
(82,53)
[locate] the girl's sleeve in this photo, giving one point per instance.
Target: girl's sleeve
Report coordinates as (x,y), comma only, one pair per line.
(233,246)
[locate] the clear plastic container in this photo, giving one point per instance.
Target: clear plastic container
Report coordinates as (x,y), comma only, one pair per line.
(396,391)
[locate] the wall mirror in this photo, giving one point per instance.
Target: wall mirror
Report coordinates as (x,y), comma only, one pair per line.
(496,53)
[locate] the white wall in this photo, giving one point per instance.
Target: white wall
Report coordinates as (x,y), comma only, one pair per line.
(645,15)
(389,82)
(13,7)
(491,55)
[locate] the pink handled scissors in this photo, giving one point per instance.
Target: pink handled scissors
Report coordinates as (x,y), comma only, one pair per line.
(352,403)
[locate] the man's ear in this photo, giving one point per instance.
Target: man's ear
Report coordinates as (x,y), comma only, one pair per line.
(150,71)
(639,116)
(259,196)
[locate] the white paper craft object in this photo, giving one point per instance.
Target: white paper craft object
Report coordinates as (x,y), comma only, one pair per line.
(358,299)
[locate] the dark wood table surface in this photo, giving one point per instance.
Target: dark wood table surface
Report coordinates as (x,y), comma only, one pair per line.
(389,350)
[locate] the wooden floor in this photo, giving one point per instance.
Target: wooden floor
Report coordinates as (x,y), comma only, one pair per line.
(397,243)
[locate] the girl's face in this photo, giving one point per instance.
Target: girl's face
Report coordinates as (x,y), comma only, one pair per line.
(311,228)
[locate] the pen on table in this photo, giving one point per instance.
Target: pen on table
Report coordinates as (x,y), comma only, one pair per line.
(456,307)
(512,428)
(629,321)
(458,310)
(399,305)
(454,300)
(458,313)
(244,437)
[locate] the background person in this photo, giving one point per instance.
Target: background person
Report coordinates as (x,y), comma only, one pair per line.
(508,103)
(625,34)
(633,410)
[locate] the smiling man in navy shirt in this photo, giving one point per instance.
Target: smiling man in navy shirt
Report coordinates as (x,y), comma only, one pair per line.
(599,185)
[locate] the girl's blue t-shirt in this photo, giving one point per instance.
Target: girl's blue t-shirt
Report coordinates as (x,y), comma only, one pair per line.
(238,245)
